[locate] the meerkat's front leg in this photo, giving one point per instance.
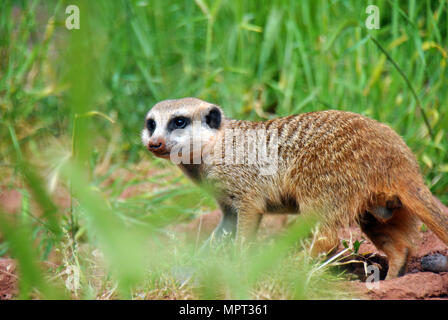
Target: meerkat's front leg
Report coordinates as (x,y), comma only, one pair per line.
(228,223)
(248,222)
(227,226)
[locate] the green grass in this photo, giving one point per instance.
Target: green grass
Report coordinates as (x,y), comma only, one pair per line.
(72,105)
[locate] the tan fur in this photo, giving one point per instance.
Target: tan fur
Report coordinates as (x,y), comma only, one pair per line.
(336,164)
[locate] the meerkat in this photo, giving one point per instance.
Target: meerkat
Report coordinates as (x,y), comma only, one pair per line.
(342,166)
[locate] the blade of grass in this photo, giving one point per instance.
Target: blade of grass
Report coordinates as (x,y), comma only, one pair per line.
(408,83)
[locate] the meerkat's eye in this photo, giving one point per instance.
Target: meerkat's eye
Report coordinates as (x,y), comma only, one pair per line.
(151,125)
(178,123)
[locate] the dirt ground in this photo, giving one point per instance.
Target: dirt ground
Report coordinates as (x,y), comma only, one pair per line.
(8,279)
(415,284)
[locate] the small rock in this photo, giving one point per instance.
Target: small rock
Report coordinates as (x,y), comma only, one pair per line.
(435,263)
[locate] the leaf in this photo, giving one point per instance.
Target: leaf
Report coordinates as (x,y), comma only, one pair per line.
(427,160)
(356,246)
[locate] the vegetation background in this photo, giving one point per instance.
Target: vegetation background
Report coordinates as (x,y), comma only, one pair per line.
(95,209)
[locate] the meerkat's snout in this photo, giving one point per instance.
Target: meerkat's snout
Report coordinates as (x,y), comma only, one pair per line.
(158,147)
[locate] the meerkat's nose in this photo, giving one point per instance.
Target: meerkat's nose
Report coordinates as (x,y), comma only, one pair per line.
(156,145)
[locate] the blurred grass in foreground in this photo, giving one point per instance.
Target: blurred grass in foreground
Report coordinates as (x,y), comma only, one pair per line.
(72,105)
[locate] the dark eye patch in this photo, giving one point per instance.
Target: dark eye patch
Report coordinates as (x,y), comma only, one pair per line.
(213,118)
(151,125)
(178,123)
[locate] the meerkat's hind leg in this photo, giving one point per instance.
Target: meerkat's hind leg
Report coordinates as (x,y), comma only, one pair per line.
(325,237)
(393,237)
(324,241)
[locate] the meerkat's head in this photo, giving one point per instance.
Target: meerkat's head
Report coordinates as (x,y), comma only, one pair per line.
(175,125)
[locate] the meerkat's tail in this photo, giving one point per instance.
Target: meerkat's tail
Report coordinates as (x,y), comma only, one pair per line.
(420,201)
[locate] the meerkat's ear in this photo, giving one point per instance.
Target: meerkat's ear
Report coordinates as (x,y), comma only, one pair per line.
(213,117)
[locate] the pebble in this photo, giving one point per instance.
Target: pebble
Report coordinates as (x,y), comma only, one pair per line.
(435,263)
